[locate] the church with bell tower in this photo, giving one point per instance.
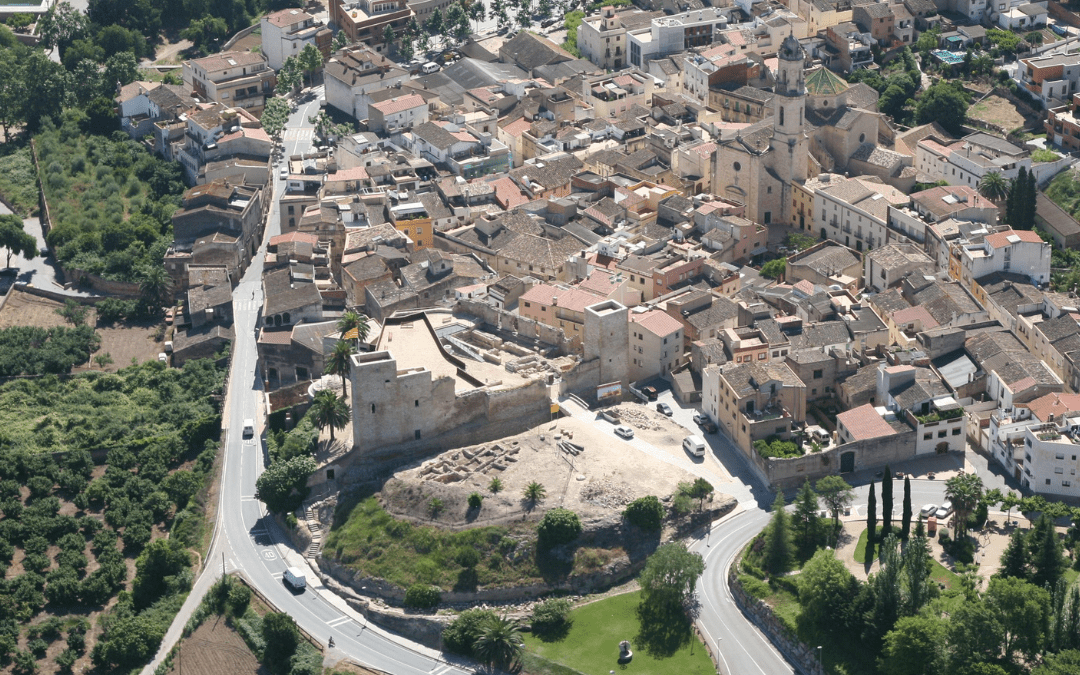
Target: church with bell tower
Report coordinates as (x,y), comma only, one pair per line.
(758,165)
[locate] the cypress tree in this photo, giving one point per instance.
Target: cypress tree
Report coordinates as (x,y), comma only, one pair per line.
(905,523)
(1050,564)
(871,523)
(1028,214)
(778,553)
(886,503)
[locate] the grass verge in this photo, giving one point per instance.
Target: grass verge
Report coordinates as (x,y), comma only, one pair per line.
(662,644)
(18,180)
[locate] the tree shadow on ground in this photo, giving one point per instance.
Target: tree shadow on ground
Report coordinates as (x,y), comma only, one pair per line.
(665,628)
(467,580)
(553,632)
(555,564)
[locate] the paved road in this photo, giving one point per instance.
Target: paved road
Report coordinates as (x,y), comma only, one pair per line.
(40,272)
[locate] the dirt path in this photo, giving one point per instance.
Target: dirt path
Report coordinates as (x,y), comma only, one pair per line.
(215,648)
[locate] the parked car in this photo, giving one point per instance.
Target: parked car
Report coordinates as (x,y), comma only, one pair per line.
(928,510)
(547,22)
(283,174)
(624,431)
(709,427)
(944,511)
(699,418)
(663,408)
(650,393)
(695,445)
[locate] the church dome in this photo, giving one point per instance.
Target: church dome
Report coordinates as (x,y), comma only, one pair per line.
(791,50)
(823,82)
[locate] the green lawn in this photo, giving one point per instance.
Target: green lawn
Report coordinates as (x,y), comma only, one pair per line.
(860,548)
(943,575)
(662,646)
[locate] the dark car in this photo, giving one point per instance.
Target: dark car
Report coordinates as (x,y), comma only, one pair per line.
(663,408)
(650,393)
(708,426)
(549,22)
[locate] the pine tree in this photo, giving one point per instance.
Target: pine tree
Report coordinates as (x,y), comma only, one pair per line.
(886,502)
(778,539)
(1014,560)
(905,523)
(871,523)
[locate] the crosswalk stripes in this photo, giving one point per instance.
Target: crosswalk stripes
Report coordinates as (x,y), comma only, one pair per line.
(247,305)
(295,134)
(334,623)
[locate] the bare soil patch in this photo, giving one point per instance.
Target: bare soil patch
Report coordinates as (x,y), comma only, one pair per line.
(216,648)
(123,342)
(598,482)
(997,110)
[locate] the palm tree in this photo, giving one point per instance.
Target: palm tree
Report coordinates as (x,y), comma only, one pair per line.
(499,643)
(339,361)
(154,286)
(330,411)
(994,187)
(350,320)
(534,492)
(964,491)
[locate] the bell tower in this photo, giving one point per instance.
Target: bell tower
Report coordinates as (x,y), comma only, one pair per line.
(789,142)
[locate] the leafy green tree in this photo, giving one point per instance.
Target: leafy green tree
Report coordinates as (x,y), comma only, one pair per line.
(558,526)
(434,24)
(1014,561)
(310,60)
(964,491)
(388,36)
(282,487)
(206,33)
(975,633)
(15,239)
(774,269)
(778,548)
(945,103)
(275,116)
(61,25)
(461,634)
(1021,609)
(928,41)
(422,596)
(350,320)
(806,519)
(825,592)
(646,513)
(916,563)
(837,495)
(1003,41)
(700,490)
(406,48)
(289,76)
(456,23)
(12,90)
(670,574)
(551,617)
(475,500)
(281,637)
(128,641)
(499,644)
(892,101)
(102,360)
(888,600)
(162,559)
(330,411)
(477,12)
(915,646)
(181,486)
(1063,663)
(47,89)
(495,485)
(121,68)
(154,287)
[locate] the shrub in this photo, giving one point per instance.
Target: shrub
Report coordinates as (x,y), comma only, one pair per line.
(755,587)
(65,660)
(460,634)
(475,500)
(646,513)
(558,526)
(239,598)
(467,556)
(435,507)
(422,596)
(551,616)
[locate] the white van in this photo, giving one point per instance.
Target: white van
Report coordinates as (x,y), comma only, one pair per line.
(249,428)
(695,445)
(429,67)
(294,576)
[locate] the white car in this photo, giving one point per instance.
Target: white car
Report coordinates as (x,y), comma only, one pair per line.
(943,511)
(624,431)
(928,510)
(284,172)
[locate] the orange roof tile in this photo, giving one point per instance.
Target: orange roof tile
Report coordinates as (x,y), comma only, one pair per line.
(864,422)
(1001,239)
(1056,404)
(656,322)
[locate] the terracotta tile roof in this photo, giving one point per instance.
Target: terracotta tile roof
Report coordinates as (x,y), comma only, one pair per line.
(1056,404)
(864,423)
(507,193)
(288,17)
(275,337)
(399,104)
(804,286)
(294,236)
(568,298)
(656,322)
(355,173)
(1001,239)
(601,282)
(912,314)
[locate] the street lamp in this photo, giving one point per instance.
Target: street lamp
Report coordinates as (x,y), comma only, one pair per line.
(820,664)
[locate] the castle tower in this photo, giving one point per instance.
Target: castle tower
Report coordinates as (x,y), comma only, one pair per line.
(789,142)
(607,338)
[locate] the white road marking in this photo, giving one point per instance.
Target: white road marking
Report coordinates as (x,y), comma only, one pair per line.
(334,623)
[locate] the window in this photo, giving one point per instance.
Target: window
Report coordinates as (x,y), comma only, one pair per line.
(372,408)
(1047,481)
(942,433)
(761,356)
(419,230)
(291,209)
(1066,483)
(416,403)
(416,434)
(1059,456)
(927,437)
(956,431)
(817,374)
(813,391)
(780,430)
(1059,470)
(528,305)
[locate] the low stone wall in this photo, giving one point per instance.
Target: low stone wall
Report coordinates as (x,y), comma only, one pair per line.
(799,654)
(101,285)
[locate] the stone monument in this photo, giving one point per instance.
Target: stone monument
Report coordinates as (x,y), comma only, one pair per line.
(624,652)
